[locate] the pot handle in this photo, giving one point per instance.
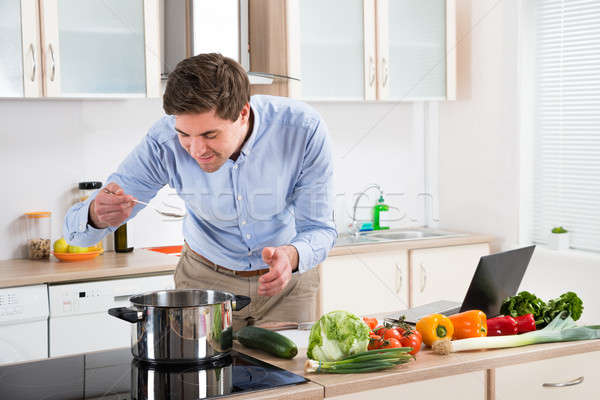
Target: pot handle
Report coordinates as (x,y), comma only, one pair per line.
(240,302)
(126,314)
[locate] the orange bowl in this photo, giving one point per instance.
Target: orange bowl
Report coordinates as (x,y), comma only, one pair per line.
(88,255)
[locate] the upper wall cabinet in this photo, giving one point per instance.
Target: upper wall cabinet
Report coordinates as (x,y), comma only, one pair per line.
(398,50)
(70,48)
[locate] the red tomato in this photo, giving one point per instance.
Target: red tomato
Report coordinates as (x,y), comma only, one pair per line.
(379,330)
(412,339)
(392,333)
(391,344)
(375,342)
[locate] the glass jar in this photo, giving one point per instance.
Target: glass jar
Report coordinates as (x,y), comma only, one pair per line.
(38,234)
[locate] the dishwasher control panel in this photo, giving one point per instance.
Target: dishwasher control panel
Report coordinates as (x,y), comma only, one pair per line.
(99,296)
(23,303)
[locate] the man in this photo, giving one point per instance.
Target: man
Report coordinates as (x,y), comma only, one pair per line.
(256,178)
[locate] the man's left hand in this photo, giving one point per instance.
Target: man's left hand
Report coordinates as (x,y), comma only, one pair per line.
(282,261)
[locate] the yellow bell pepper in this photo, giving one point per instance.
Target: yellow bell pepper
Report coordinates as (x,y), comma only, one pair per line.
(435,327)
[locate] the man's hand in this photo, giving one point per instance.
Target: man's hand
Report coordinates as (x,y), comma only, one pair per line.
(282,261)
(110,209)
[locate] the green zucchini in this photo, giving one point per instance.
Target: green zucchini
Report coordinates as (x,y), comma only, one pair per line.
(266,340)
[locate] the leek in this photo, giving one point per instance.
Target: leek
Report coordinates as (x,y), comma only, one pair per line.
(559,330)
(367,361)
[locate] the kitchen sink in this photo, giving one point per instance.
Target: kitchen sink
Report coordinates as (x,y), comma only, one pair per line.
(393,235)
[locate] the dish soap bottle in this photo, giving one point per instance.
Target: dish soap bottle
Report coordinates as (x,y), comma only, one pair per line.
(377,209)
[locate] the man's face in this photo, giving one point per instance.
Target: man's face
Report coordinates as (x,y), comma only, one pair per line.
(209,139)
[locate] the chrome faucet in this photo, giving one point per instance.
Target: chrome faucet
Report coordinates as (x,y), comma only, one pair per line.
(354,228)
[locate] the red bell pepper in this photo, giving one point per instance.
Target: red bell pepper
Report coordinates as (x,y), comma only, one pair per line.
(501,326)
(525,323)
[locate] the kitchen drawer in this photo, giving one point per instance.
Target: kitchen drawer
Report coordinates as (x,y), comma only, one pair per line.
(525,381)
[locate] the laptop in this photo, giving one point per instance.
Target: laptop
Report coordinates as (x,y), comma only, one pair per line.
(497,277)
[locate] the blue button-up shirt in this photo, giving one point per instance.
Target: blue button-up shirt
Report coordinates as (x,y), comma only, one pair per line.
(279,190)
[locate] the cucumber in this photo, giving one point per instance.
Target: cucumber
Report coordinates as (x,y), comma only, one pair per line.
(266,340)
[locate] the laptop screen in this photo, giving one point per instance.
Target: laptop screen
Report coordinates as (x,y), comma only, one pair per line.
(497,277)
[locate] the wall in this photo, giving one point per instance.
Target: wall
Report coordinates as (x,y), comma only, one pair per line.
(47,146)
(484,162)
(478,134)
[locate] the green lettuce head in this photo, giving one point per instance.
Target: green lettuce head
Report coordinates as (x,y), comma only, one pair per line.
(336,335)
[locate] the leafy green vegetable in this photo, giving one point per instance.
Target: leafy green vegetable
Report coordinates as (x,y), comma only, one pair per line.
(569,302)
(336,335)
(523,303)
(559,229)
(526,303)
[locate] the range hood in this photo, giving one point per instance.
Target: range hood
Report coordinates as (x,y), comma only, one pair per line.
(203,26)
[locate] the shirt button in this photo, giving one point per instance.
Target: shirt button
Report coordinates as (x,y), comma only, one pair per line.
(250,253)
(243,222)
(248,236)
(235,167)
(240,197)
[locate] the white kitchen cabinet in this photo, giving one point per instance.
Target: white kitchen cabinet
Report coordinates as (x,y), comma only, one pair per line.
(415,50)
(526,381)
(365,283)
(398,50)
(443,273)
(96,48)
(20,56)
(470,386)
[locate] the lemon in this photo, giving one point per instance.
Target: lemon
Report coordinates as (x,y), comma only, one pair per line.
(61,246)
(77,249)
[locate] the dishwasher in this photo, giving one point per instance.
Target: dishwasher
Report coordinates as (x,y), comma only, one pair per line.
(79,321)
(23,323)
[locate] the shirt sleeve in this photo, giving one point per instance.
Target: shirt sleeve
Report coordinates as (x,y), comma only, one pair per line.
(142,174)
(313,200)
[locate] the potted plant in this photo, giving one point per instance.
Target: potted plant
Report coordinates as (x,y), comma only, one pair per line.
(558,239)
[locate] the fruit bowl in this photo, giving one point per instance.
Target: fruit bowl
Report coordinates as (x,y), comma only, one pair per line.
(88,255)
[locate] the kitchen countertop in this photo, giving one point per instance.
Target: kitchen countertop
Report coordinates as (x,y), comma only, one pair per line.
(464,239)
(22,272)
(426,366)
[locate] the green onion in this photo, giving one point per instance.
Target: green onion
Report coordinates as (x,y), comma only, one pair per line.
(559,330)
(367,361)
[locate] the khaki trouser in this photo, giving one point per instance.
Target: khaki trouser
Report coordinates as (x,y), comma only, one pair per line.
(297,302)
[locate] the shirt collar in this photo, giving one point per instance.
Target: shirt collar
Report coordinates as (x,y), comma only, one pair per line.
(246,149)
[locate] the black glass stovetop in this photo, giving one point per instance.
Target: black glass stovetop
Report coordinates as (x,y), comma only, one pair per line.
(115,375)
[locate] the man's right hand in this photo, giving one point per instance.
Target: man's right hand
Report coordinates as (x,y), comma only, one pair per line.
(110,209)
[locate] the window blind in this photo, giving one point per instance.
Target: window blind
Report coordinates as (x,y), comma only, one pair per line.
(567,116)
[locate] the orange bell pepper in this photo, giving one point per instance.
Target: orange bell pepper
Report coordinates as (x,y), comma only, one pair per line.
(434,327)
(472,323)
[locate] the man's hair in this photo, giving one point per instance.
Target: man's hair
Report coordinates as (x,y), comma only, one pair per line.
(207,82)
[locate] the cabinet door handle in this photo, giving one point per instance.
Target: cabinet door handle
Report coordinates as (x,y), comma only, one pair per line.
(371,71)
(573,382)
(399,280)
(53,66)
(33,62)
(423,277)
(386,71)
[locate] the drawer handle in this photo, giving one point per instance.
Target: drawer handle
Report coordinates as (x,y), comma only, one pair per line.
(423,277)
(399,279)
(574,382)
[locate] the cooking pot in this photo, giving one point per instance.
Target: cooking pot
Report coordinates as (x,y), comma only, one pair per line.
(166,381)
(181,326)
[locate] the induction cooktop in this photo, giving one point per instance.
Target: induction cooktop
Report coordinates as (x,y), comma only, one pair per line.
(115,375)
